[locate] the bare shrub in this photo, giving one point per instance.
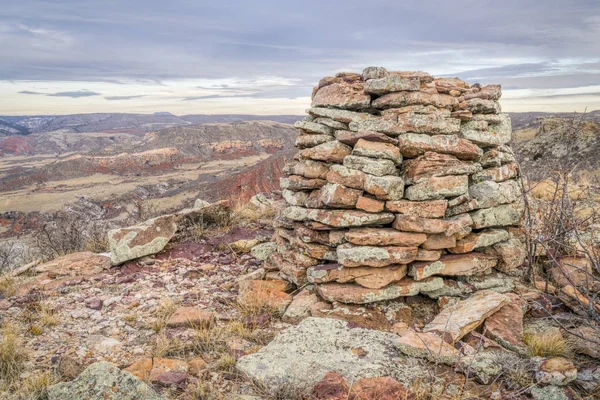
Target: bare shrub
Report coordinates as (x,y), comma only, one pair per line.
(561,220)
(75,228)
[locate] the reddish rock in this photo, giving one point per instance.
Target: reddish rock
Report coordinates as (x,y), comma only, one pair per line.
(296,182)
(337,218)
(453,265)
(428,255)
(385,187)
(337,196)
(332,387)
(377,150)
(557,371)
(168,371)
(373,278)
(333,151)
(384,237)
(457,320)
(308,141)
(197,365)
(351,138)
(437,188)
(506,325)
(433,164)
(382,388)
(478,240)
(345,176)
(371,256)
(369,204)
(268,293)
(497,174)
(391,83)
(190,316)
(423,209)
(343,96)
(307,168)
(356,294)
(439,241)
(413,144)
(450,226)
(365,316)
(141,368)
(401,99)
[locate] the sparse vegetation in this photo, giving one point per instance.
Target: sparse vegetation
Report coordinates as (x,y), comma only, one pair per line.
(12,355)
(547,344)
(163,312)
(35,386)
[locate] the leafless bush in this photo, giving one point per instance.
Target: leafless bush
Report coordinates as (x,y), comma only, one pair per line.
(71,230)
(561,223)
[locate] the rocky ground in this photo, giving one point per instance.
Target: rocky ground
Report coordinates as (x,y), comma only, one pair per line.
(202,317)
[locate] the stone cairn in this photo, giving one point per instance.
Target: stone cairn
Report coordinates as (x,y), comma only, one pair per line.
(403,184)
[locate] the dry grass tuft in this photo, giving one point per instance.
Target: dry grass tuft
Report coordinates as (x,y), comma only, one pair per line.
(204,391)
(547,344)
(8,286)
(35,387)
(163,312)
(12,355)
(47,315)
(255,303)
(164,346)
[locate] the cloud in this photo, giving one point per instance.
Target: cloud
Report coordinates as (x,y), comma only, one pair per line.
(77,94)
(110,98)
(30,92)
(270,49)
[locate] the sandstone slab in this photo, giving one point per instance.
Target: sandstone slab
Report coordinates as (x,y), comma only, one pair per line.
(413,145)
(372,256)
(401,99)
(437,188)
(449,226)
(391,83)
(355,294)
(461,318)
(384,237)
(453,265)
(296,182)
(343,96)
(149,237)
(332,151)
(351,138)
(307,168)
(504,215)
(423,209)
(369,204)
(191,317)
(433,164)
(345,176)
(375,149)
(377,167)
(372,278)
(337,218)
(475,241)
(385,187)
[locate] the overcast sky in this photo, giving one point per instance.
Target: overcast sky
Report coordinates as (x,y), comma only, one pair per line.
(264,56)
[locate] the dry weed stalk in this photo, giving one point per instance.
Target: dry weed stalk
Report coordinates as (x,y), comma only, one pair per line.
(561,220)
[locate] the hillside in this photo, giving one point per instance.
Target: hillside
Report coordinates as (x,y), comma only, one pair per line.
(43,172)
(120,122)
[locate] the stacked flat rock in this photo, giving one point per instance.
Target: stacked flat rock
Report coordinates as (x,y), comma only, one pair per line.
(403,184)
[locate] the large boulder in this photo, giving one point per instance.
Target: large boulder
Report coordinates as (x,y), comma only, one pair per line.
(303,354)
(140,240)
(103,381)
